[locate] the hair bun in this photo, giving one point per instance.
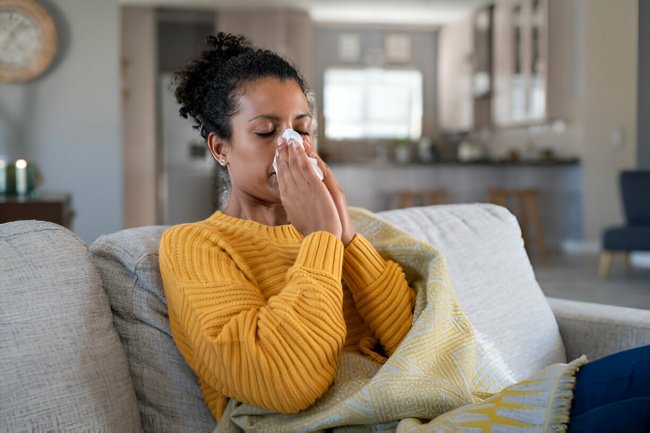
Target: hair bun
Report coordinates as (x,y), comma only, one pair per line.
(224,46)
(192,83)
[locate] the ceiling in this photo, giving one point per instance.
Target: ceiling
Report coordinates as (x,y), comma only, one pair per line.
(412,12)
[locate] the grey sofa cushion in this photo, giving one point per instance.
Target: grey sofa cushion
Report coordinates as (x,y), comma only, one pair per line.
(168,393)
(62,367)
(493,278)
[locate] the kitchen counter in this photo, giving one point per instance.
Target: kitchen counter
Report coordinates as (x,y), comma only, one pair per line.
(374,185)
(500,163)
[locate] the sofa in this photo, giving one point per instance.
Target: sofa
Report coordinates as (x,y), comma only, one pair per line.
(85,344)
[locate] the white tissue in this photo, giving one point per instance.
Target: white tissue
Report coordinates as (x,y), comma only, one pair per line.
(289,134)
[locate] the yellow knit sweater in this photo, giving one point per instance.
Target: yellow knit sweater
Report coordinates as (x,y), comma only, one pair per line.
(261,314)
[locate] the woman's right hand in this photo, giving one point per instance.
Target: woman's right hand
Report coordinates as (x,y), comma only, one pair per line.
(308,203)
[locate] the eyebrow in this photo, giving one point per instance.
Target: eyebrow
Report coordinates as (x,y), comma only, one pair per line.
(273,117)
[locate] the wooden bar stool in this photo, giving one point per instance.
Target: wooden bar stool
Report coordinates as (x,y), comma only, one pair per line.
(524,202)
(407,198)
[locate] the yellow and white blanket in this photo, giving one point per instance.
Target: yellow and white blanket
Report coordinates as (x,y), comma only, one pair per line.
(440,379)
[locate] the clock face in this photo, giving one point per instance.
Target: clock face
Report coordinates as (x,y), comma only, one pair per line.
(20,39)
(28,40)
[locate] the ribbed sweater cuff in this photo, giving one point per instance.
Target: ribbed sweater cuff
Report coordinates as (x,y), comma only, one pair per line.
(362,263)
(322,251)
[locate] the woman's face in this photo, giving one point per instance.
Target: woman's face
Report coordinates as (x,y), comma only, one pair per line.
(267,107)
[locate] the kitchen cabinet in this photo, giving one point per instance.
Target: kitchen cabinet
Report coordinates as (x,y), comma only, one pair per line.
(512,63)
(538,61)
(520,61)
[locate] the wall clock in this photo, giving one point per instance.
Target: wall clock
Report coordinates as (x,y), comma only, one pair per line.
(28,40)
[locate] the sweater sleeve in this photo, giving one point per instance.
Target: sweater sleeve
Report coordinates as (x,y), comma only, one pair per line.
(380,292)
(279,354)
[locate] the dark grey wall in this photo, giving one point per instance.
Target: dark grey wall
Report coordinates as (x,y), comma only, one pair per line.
(643,85)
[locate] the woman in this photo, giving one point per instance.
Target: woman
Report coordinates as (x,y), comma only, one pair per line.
(265,295)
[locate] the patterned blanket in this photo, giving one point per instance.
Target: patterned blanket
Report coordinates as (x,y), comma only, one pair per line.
(442,378)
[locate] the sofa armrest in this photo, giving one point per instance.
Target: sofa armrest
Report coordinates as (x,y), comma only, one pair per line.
(597,330)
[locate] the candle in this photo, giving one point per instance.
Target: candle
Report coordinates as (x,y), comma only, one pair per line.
(21,177)
(3,176)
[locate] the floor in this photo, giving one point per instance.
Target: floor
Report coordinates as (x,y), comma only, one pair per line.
(576,277)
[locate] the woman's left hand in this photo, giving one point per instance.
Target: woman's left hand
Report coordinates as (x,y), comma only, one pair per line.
(337,193)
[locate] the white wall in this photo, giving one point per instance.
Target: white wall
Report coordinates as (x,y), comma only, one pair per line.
(610,102)
(68,120)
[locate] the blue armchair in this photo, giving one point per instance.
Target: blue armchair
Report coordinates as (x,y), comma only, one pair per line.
(635,234)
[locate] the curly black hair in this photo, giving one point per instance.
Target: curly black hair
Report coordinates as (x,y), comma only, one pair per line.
(207,88)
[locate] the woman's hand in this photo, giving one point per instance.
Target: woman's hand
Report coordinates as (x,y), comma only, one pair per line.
(309,205)
(337,194)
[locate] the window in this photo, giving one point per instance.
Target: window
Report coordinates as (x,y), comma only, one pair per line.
(372,103)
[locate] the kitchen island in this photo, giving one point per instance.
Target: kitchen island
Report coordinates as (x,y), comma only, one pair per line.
(374,185)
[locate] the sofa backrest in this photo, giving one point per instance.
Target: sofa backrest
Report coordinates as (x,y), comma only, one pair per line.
(62,367)
(493,278)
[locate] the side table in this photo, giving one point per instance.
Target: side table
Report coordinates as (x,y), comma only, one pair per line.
(52,207)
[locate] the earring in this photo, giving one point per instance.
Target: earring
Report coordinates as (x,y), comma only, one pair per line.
(222,162)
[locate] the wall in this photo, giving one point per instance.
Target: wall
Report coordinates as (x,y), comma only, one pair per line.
(643,146)
(611,41)
(68,120)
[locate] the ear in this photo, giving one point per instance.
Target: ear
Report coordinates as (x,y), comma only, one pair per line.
(218,148)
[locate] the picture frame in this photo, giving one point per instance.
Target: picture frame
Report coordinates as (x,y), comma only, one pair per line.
(398,48)
(349,47)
